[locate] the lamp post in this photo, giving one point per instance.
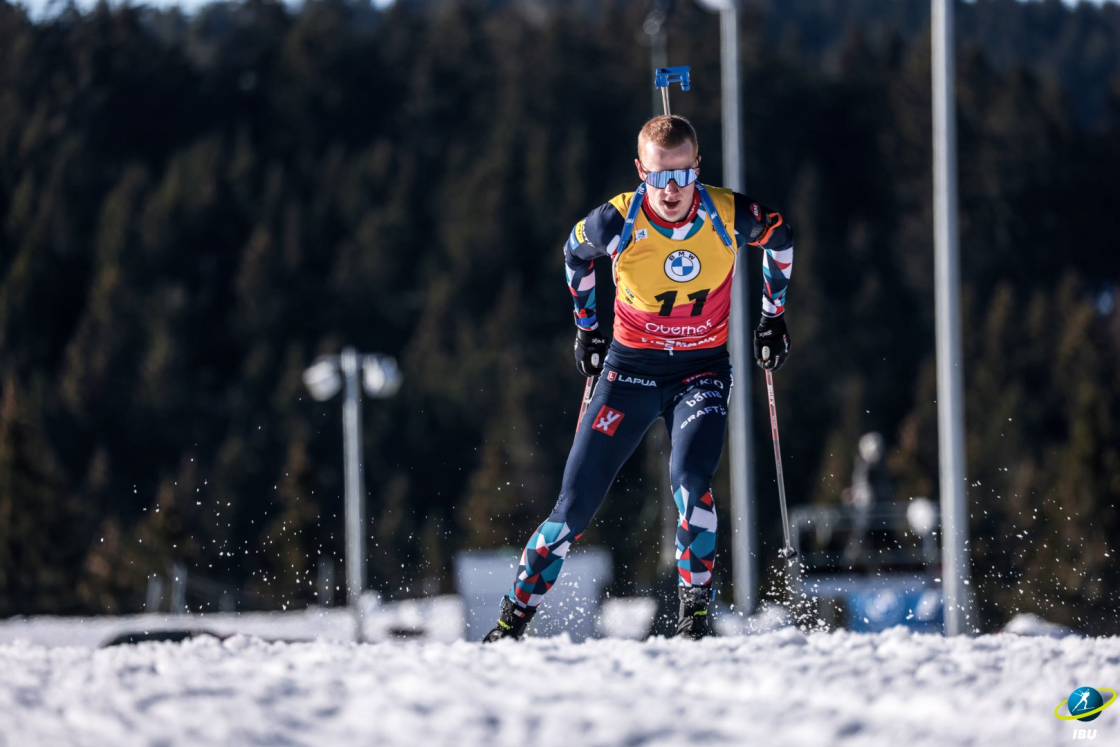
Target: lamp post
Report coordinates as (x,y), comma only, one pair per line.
(324,379)
(744,555)
(950,373)
(654,29)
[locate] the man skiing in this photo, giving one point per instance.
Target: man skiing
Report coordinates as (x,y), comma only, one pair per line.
(673,246)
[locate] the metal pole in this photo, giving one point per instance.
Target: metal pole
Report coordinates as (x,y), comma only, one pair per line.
(178,588)
(787,551)
(744,555)
(155,593)
(732,105)
(654,27)
(355,505)
(659,58)
(950,399)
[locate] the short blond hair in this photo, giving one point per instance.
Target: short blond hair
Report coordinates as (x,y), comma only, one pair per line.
(667,131)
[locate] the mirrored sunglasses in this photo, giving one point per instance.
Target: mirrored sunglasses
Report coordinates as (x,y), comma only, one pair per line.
(661,179)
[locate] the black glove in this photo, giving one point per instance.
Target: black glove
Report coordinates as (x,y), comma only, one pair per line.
(771,342)
(590,350)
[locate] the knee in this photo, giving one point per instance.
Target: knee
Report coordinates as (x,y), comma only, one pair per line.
(696,476)
(548,547)
(566,523)
(696,505)
(575,509)
(689,493)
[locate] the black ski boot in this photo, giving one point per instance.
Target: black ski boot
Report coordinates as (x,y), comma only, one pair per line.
(511,623)
(695,621)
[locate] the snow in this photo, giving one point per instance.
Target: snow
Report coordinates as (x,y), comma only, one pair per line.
(436,618)
(1030,624)
(780,687)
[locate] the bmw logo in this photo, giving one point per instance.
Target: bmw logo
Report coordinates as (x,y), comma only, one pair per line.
(682,266)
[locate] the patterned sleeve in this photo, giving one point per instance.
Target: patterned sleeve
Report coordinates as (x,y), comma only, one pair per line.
(594,236)
(758,225)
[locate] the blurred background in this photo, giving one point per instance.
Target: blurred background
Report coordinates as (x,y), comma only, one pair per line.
(197,202)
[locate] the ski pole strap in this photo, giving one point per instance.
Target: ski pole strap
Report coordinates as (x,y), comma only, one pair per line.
(717,222)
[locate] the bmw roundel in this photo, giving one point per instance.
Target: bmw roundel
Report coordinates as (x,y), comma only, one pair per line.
(682,266)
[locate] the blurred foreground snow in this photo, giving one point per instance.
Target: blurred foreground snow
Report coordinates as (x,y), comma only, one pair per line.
(436,618)
(776,688)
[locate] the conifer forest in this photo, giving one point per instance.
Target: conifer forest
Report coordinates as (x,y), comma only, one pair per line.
(193,207)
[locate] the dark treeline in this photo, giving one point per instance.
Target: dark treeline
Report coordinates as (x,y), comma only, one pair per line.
(193,208)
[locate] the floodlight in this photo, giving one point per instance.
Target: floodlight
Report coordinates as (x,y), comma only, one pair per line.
(381,376)
(922,516)
(322,379)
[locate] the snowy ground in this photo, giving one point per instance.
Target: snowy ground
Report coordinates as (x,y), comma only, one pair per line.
(776,688)
(438,618)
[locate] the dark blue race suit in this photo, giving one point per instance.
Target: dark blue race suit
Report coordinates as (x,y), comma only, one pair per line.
(677,369)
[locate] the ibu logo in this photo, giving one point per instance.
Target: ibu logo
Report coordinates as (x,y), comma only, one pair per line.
(1085,704)
(682,266)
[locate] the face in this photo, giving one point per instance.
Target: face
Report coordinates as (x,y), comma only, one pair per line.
(673,202)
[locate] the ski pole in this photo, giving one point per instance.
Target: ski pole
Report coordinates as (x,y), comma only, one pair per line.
(786,552)
(588,391)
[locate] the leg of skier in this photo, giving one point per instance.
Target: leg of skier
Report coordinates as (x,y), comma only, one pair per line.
(697,422)
(615,422)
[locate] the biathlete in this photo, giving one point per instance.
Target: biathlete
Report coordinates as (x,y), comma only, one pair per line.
(673,245)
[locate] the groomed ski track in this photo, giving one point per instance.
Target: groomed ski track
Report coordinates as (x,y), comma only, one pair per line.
(776,688)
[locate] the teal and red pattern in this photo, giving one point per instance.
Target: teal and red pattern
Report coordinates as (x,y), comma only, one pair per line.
(696,537)
(541,561)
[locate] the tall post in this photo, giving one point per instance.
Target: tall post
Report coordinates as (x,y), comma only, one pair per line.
(732,105)
(744,553)
(179,588)
(654,27)
(950,377)
(355,503)
(155,593)
(658,53)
